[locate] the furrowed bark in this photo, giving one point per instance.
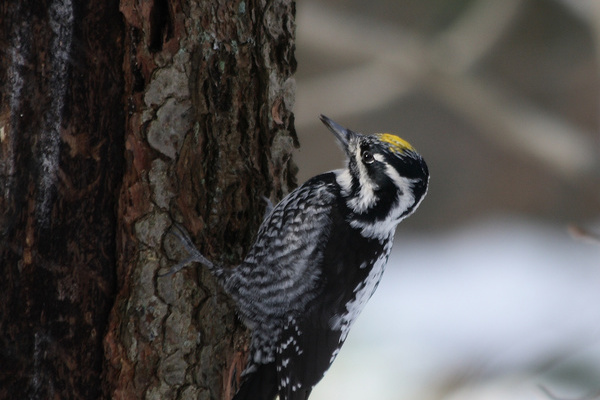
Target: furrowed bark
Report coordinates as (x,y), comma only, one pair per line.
(210,131)
(117,120)
(61,152)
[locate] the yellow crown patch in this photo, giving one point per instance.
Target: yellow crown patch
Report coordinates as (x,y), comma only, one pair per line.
(397,144)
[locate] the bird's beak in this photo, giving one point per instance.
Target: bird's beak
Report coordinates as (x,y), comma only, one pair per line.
(342,134)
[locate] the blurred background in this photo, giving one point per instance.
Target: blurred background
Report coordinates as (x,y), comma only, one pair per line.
(487,295)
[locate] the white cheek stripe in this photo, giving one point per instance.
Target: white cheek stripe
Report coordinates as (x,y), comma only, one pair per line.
(366,198)
(382,228)
(404,184)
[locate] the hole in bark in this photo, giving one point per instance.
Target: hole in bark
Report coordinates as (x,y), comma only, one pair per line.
(161,26)
(138,79)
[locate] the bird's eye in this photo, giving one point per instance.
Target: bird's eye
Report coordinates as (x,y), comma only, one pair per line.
(367,157)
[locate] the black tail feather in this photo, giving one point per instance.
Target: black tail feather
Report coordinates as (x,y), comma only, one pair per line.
(260,384)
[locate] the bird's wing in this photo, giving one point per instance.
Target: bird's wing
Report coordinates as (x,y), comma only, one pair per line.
(282,270)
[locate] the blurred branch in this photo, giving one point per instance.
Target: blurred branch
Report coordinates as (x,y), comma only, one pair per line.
(392,61)
(584,235)
(589,12)
(388,61)
(463,44)
(377,83)
(516,124)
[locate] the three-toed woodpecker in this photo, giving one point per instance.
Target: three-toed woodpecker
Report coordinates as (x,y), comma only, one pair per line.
(318,257)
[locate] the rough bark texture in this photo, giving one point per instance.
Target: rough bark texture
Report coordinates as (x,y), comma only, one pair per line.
(117,119)
(209,89)
(61,151)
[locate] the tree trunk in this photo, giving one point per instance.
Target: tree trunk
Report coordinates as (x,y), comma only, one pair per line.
(61,159)
(114,125)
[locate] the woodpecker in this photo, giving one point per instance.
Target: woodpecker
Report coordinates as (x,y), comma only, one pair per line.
(318,257)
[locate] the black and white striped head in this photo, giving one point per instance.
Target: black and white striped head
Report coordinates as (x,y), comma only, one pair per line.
(384,181)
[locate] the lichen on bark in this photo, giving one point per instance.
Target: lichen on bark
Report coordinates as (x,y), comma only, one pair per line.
(210,131)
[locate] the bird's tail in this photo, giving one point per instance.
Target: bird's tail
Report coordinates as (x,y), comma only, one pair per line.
(260,384)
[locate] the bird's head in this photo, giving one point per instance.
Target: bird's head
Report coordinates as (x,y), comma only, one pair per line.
(385,178)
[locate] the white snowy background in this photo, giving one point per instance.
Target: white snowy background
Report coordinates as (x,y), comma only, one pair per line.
(500,309)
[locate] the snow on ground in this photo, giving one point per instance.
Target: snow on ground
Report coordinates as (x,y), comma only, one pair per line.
(496,310)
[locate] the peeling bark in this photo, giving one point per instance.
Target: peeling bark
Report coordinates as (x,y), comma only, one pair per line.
(210,131)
